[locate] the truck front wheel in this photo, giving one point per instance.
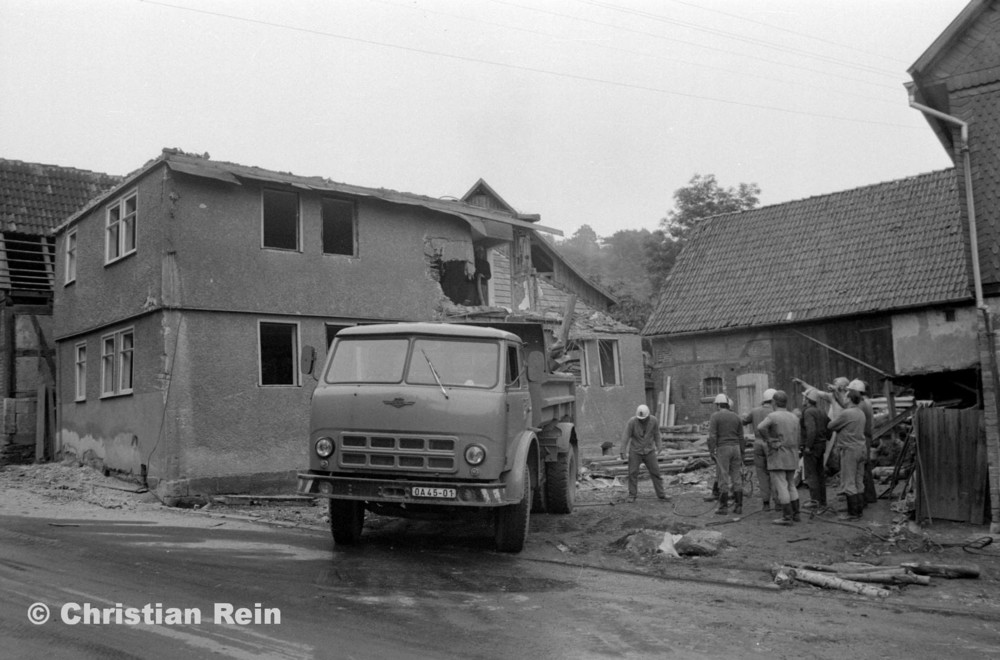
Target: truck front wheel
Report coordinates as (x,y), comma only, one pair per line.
(512,521)
(347,518)
(560,482)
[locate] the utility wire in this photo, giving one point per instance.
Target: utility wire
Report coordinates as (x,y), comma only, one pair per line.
(795,32)
(738,37)
(655,35)
(798,84)
(516,67)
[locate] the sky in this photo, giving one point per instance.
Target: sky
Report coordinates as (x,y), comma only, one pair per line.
(587,112)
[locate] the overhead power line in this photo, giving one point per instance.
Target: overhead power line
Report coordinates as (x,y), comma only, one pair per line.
(517,67)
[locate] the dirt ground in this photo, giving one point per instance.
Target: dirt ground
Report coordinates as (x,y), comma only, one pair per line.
(594,534)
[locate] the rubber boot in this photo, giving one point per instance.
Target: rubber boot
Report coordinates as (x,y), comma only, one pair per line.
(854,505)
(859,505)
(786,515)
(795,511)
(715,493)
(765,505)
(738,509)
(723,504)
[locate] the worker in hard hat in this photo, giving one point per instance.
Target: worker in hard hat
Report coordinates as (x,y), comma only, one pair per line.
(815,434)
(641,446)
(849,426)
(857,385)
(725,446)
(781,431)
(753,419)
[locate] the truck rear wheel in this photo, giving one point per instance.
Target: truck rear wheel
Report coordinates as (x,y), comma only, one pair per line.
(560,482)
(511,528)
(347,518)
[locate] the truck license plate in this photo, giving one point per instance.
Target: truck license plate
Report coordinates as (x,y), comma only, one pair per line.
(442,493)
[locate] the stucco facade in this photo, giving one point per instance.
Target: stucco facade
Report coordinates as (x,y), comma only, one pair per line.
(179,353)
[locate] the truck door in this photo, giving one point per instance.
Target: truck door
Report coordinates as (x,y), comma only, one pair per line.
(518,397)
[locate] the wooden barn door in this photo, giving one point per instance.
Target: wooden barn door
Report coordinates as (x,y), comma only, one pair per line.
(749,390)
(952,465)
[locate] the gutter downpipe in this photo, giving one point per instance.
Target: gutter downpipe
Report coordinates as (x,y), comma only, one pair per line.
(976,273)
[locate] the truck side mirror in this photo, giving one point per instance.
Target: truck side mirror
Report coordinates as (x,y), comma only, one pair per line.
(536,367)
(308,359)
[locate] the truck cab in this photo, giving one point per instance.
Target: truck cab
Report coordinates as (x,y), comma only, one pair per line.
(425,419)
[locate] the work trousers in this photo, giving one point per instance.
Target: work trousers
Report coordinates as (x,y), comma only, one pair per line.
(760,466)
(815,474)
(635,460)
(728,460)
(852,470)
(783,485)
(871,495)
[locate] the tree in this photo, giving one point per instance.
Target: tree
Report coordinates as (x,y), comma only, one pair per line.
(703,197)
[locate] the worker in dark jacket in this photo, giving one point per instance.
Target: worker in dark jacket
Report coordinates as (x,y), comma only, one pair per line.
(752,419)
(815,435)
(641,445)
(781,429)
(725,445)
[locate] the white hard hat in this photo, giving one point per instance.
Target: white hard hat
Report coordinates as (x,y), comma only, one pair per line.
(812,394)
(857,386)
(722,398)
(769,394)
(642,412)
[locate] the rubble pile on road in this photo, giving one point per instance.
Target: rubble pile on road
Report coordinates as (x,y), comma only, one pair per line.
(69,481)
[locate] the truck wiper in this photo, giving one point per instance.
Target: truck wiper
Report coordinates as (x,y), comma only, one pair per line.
(435,374)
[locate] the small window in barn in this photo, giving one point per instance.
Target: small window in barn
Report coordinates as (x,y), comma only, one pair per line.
(120,228)
(116,363)
(610,364)
(279,353)
(949,315)
(70,256)
(711,387)
(340,227)
(80,358)
(281,219)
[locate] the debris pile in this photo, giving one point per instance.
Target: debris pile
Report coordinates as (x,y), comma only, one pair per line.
(859,578)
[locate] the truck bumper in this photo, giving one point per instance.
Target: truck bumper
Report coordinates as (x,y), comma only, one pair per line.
(486,494)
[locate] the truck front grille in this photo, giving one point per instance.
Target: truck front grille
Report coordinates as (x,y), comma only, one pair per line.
(390,452)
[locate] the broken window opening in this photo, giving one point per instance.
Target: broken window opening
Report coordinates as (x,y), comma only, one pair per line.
(278,353)
(339,227)
(463,282)
(610,362)
(280,219)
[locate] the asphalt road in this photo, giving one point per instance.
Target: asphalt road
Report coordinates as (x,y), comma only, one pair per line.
(385,599)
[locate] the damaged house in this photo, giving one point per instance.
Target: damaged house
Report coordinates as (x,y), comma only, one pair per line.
(897,283)
(35,199)
(186,294)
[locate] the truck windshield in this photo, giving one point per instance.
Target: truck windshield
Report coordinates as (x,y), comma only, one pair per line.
(459,363)
(368,361)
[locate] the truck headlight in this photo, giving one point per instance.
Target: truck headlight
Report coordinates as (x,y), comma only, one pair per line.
(474,454)
(324,447)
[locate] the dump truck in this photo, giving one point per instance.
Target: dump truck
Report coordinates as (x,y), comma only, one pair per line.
(441,420)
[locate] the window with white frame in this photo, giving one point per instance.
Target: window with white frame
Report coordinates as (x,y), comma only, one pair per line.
(70,256)
(611,373)
(80,359)
(120,228)
(278,352)
(116,362)
(280,219)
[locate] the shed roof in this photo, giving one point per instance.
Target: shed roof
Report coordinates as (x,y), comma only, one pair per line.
(36,198)
(891,245)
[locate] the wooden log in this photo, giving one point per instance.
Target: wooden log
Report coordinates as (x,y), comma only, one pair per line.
(944,570)
(833,582)
(812,567)
(886,578)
